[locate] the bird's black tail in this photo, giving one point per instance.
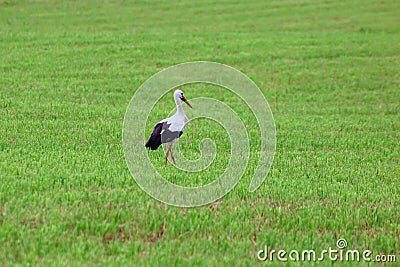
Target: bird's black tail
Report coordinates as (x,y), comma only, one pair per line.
(155,139)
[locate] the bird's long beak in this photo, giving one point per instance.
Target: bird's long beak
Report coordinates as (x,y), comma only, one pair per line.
(186,101)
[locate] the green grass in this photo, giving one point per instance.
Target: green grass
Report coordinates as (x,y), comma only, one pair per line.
(68,69)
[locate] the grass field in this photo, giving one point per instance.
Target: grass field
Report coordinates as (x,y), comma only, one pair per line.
(68,69)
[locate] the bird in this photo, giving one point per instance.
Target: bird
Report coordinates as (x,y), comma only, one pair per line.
(170,129)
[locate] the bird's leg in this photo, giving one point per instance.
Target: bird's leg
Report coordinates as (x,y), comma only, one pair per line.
(170,151)
(173,159)
(166,155)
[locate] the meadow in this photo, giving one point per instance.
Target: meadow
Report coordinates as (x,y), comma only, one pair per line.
(68,69)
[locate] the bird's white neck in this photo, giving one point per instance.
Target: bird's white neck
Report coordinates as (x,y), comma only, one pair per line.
(179,108)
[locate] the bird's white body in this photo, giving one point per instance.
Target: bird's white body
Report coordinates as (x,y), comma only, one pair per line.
(177,122)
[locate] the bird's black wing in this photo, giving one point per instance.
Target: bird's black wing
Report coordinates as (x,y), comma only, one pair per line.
(155,139)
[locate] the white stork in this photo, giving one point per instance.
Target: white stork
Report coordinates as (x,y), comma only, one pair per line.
(170,129)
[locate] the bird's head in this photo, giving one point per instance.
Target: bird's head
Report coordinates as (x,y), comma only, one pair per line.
(179,94)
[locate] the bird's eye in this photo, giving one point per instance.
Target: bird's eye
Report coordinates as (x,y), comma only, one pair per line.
(181,94)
